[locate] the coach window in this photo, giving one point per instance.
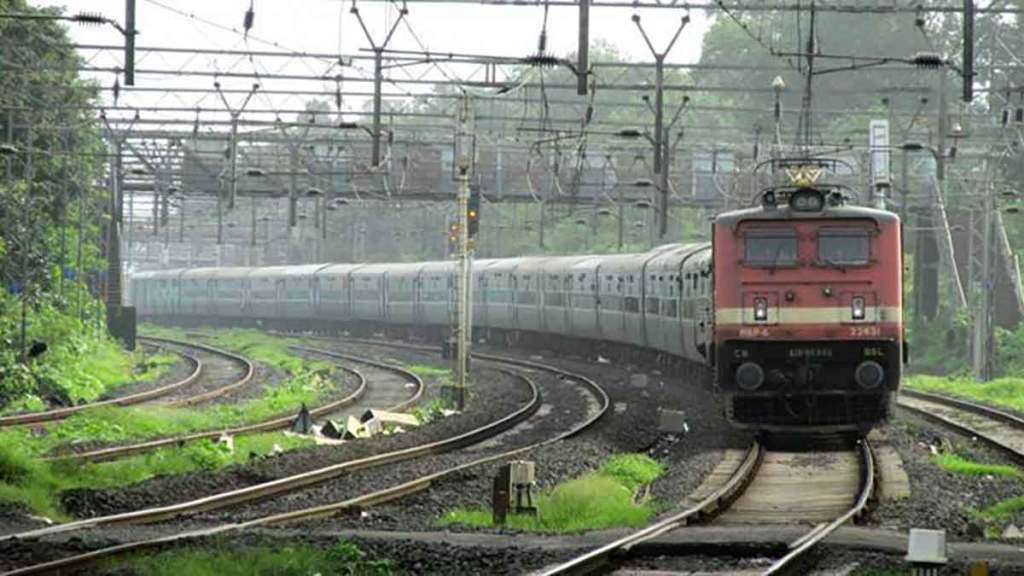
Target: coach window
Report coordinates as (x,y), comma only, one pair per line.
(844,246)
(770,248)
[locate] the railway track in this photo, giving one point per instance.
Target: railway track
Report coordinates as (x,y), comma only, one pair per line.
(370,498)
(231,368)
(392,398)
(1000,429)
(61,413)
(201,370)
(752,479)
(799,548)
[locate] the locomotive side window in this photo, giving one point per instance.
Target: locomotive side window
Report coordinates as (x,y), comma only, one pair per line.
(770,248)
(844,246)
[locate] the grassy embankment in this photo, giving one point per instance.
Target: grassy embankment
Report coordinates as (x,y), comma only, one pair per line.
(608,497)
(344,558)
(27,480)
(1006,391)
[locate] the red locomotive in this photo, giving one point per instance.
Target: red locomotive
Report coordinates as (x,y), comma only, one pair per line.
(808,309)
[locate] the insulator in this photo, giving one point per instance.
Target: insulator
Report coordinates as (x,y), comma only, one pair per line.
(89,18)
(1005,120)
(117,90)
(927,60)
(250,16)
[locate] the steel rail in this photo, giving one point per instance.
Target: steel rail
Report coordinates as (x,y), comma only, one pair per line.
(377,497)
(278,423)
(1010,419)
(488,430)
(62,413)
(288,483)
(714,503)
(247,365)
(805,543)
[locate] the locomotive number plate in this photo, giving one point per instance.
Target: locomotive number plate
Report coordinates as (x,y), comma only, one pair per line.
(755,332)
(865,331)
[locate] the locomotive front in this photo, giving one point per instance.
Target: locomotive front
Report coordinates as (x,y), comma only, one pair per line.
(808,312)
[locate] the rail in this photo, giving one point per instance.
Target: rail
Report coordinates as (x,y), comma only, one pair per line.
(714,502)
(62,413)
(376,497)
(802,545)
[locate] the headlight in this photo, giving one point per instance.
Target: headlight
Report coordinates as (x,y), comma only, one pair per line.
(749,376)
(857,309)
(760,309)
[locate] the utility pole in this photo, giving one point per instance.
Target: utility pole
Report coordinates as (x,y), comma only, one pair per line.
(660,165)
(583,49)
(129,42)
(114,299)
(233,143)
(378,75)
(983,306)
(464,315)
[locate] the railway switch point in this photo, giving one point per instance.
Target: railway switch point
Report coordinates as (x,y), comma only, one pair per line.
(926,551)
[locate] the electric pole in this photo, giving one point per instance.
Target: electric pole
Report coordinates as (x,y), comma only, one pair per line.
(660,141)
(464,315)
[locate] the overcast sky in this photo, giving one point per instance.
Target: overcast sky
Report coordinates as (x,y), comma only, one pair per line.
(327,26)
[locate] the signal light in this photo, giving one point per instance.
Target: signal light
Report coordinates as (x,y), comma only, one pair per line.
(473,213)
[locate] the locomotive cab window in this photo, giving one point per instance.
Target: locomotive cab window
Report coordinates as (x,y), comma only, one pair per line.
(770,248)
(844,247)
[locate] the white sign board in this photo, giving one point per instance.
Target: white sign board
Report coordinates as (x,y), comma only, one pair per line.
(878,134)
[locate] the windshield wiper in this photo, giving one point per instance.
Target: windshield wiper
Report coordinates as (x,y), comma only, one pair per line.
(833,264)
(775,260)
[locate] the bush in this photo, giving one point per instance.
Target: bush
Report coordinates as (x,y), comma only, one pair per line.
(79,365)
(632,470)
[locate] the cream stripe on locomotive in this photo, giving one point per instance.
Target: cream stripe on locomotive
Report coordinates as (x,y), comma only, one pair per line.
(808,315)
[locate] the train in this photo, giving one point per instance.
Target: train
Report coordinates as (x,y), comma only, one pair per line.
(794,308)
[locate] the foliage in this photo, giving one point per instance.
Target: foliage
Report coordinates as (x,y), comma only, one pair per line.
(1009,351)
(37,484)
(79,364)
(1006,391)
(26,479)
(226,559)
(940,347)
(48,208)
(433,410)
(959,465)
(1003,509)
(632,470)
(429,371)
(601,499)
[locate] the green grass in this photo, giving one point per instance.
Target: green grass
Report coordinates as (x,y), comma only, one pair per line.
(428,371)
(149,368)
(98,369)
(24,478)
(37,484)
(959,465)
(224,559)
(1003,509)
(601,499)
(1007,391)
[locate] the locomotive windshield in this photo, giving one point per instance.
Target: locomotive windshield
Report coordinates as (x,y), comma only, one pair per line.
(770,248)
(844,247)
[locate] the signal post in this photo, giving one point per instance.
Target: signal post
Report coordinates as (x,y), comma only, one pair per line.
(464,312)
